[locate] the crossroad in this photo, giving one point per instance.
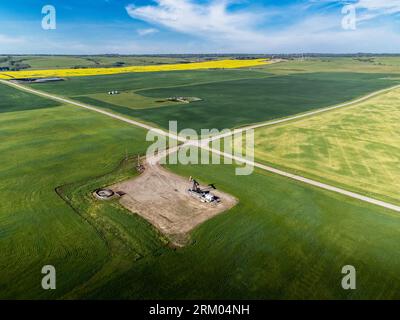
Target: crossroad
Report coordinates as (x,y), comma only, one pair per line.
(204,143)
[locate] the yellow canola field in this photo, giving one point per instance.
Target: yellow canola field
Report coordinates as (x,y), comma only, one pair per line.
(217,64)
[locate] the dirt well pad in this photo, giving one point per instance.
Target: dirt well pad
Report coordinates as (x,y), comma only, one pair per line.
(161,197)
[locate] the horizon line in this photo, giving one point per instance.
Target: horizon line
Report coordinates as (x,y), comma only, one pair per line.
(205,54)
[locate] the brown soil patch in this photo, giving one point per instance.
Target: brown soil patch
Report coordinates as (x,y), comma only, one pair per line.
(161,197)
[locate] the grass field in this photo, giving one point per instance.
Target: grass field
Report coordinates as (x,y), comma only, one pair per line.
(141,61)
(356,147)
(42,149)
(58,62)
(284,240)
(268,246)
(95,61)
(335,64)
(241,102)
(14,100)
(138,81)
(229,99)
(377,64)
(82,72)
(130,99)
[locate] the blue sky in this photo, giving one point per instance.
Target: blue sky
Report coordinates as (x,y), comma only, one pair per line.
(200,26)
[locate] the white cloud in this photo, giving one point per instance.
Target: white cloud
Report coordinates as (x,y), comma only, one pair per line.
(366,9)
(211,20)
(374,8)
(7,40)
(384,6)
(216,27)
(148,31)
(323,34)
(374,40)
(226,31)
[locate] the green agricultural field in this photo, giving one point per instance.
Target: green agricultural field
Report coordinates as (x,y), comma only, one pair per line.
(137,60)
(335,64)
(284,240)
(15,100)
(129,99)
(57,61)
(241,102)
(229,98)
(355,147)
(42,149)
(79,86)
(46,62)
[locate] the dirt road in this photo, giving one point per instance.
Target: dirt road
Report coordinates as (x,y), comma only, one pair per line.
(204,143)
(162,198)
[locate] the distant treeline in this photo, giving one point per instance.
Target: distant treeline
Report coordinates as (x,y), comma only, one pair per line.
(9,63)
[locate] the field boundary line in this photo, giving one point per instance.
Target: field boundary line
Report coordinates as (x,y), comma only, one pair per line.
(314,183)
(204,143)
(307,114)
(206,82)
(88,107)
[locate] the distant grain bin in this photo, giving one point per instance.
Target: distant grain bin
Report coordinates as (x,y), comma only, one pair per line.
(113,92)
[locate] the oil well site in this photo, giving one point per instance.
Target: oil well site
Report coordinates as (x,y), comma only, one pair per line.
(173,204)
(116,224)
